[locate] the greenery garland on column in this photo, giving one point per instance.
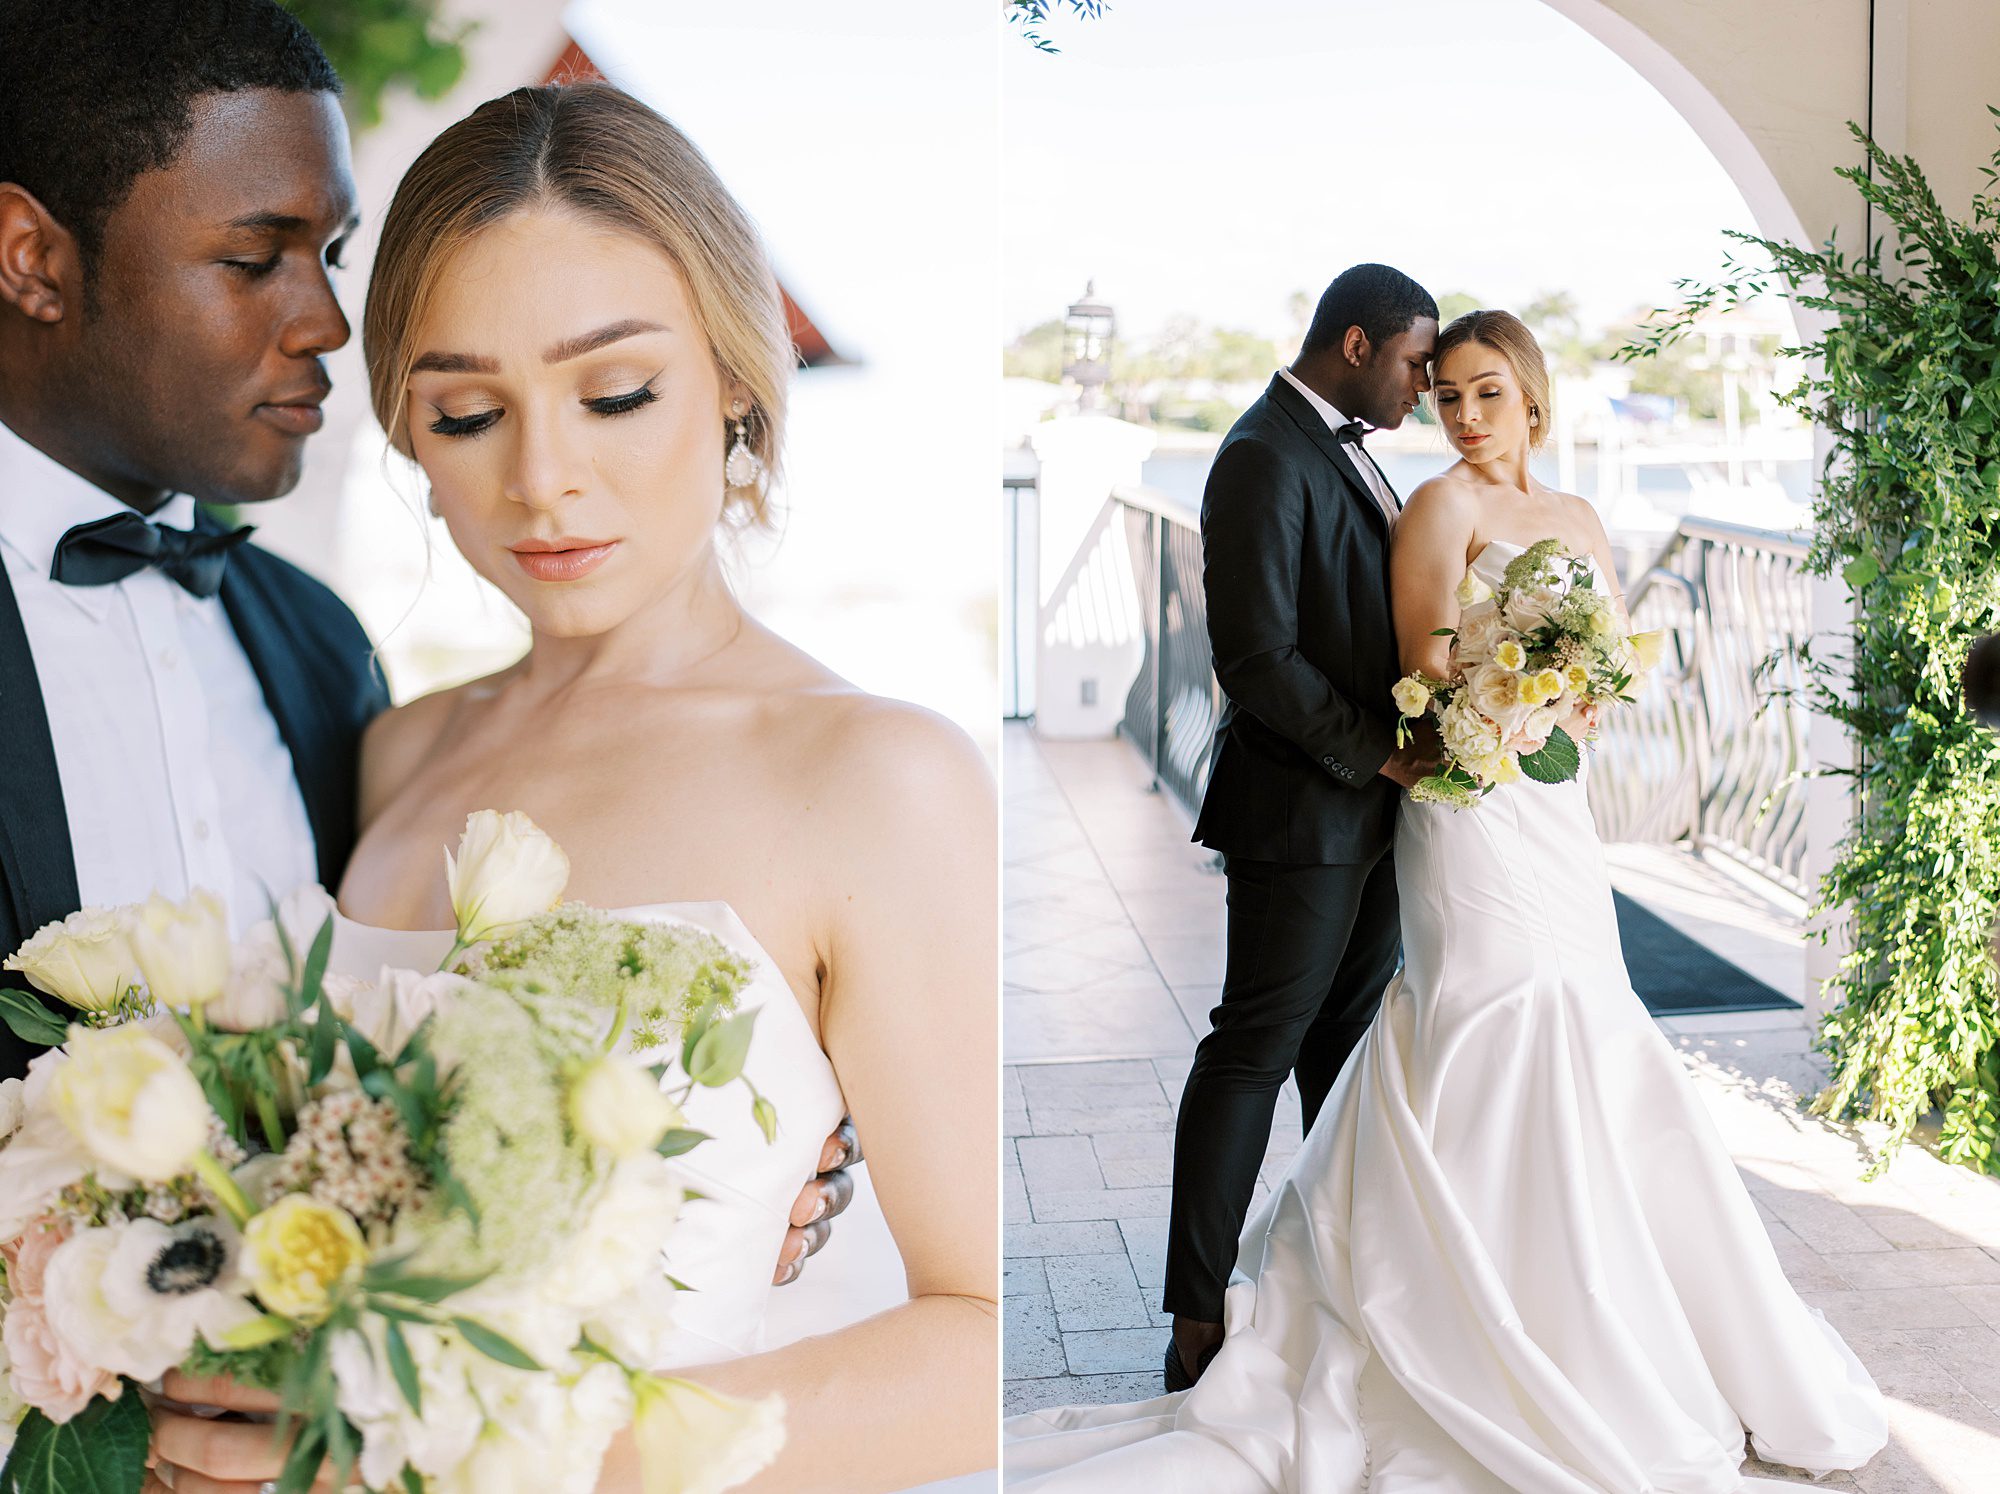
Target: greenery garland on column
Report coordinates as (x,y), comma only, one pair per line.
(1907,383)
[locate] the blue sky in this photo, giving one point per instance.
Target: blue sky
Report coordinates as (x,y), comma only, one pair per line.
(1210,159)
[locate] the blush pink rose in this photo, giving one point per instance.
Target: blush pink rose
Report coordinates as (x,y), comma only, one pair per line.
(44,1373)
(28,1257)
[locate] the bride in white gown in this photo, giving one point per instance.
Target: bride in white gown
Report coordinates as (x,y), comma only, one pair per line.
(1513,1253)
(572,328)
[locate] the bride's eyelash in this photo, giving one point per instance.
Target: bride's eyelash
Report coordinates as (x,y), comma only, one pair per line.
(463,425)
(623,404)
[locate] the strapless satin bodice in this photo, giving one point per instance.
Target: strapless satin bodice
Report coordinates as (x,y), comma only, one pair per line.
(726,1243)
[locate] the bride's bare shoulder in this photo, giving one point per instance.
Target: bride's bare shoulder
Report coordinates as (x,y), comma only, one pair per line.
(1448,494)
(397,741)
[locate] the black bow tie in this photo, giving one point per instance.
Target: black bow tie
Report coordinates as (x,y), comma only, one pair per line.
(1351,433)
(108,550)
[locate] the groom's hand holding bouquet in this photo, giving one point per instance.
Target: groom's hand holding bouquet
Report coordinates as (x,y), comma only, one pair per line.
(1533,666)
(419,1219)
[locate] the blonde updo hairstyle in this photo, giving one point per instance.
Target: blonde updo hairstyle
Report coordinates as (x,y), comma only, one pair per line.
(593,150)
(1507,335)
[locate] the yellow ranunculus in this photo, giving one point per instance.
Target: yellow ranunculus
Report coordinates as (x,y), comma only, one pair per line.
(85,960)
(182,948)
(507,871)
(1510,655)
(692,1440)
(617,1105)
(1548,685)
(1411,695)
(297,1251)
(1577,677)
(1647,647)
(130,1100)
(1528,689)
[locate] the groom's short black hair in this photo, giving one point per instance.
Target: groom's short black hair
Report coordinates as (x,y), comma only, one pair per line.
(92,95)
(1381,301)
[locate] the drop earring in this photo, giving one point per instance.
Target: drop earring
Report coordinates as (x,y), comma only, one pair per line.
(744,466)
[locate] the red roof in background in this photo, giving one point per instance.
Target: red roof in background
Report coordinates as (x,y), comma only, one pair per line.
(575,66)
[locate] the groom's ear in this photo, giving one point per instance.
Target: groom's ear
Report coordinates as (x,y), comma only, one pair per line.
(1355,348)
(38,256)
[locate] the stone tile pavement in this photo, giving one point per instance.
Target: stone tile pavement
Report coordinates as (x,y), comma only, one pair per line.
(1113,928)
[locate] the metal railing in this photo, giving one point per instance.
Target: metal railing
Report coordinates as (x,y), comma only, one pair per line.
(1715,749)
(1173,705)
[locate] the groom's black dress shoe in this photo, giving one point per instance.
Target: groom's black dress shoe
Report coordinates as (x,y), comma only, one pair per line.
(1177,1376)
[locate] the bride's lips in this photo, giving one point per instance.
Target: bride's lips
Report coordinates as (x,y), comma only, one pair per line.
(1473,440)
(562,559)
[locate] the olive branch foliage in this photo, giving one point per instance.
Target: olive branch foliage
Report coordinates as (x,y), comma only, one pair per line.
(1031,16)
(1906,381)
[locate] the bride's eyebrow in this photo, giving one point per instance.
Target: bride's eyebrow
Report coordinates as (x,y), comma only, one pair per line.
(1453,383)
(590,342)
(562,352)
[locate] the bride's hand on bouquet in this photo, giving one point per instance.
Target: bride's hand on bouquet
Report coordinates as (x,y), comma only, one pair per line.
(192,1454)
(1582,722)
(819,1203)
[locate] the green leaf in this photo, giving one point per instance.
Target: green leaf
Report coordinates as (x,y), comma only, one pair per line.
(403,1367)
(493,1345)
(423,1288)
(413,1481)
(766,1116)
(718,1057)
(302,1467)
(100,1450)
(678,1141)
(30,1021)
(1557,762)
(1861,570)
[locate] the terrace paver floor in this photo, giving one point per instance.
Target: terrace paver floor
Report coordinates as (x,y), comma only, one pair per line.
(1113,938)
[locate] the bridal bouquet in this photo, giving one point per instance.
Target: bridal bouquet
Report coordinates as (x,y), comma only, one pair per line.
(1523,658)
(428,1210)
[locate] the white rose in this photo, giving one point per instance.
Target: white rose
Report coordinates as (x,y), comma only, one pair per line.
(12,1407)
(1480,632)
(1531,607)
(617,1105)
(506,872)
(131,1101)
(85,960)
(130,1298)
(1496,692)
(182,948)
(693,1440)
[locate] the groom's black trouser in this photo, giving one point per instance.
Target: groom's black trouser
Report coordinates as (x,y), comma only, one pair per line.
(1309,951)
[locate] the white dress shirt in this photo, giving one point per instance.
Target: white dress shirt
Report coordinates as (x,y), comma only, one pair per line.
(173,773)
(1371,475)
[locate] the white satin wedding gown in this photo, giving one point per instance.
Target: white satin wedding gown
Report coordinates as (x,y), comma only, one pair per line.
(1513,1253)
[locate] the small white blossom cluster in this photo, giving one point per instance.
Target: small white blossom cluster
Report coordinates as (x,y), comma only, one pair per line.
(1544,648)
(351,1151)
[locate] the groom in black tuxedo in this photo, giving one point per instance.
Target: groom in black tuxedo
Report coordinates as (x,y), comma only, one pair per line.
(1302,795)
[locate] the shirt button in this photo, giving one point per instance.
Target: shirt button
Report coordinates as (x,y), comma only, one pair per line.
(201,829)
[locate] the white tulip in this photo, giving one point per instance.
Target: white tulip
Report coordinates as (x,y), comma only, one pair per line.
(617,1105)
(693,1440)
(131,1101)
(85,960)
(507,871)
(182,948)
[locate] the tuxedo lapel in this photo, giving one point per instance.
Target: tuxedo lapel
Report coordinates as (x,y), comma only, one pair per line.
(1307,419)
(36,858)
(257,616)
